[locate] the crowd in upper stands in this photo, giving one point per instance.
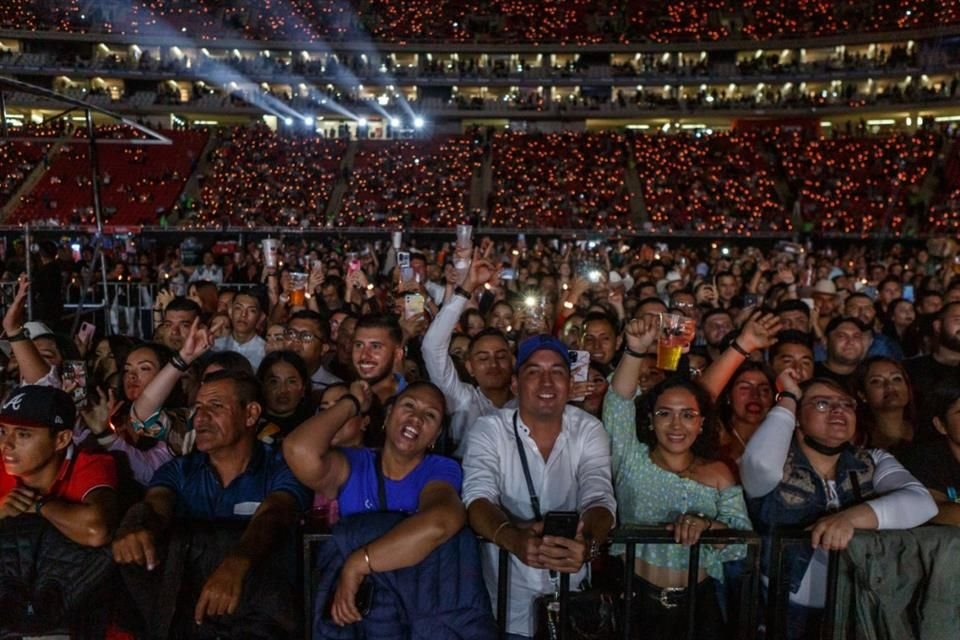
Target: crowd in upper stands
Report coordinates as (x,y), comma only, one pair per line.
(483,21)
(732,182)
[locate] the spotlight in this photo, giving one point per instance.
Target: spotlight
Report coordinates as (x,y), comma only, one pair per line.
(418,123)
(308,121)
(394,122)
(362,122)
(288,121)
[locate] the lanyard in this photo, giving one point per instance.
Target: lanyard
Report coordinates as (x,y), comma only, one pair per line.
(534,500)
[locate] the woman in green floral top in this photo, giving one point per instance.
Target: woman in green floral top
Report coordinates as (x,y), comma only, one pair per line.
(663,475)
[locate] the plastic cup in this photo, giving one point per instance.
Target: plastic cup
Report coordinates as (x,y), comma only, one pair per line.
(676,334)
(298,292)
(464,235)
(271,252)
(397,240)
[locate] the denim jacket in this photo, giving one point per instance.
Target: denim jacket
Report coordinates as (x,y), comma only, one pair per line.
(801,498)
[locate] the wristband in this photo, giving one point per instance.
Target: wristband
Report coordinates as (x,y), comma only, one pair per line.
(636,354)
(709,520)
(18,337)
(460,291)
(736,347)
(39,505)
(179,363)
(789,394)
(352,398)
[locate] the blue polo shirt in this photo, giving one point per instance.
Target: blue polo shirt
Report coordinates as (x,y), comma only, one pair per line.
(200,495)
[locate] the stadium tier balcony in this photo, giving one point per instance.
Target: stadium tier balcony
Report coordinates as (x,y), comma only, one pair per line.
(564,180)
(138,183)
(414,183)
(260,177)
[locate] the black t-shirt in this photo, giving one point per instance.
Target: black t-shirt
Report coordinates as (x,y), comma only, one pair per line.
(933,464)
(925,372)
(820,370)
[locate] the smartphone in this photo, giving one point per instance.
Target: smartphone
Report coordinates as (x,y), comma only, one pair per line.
(751,300)
(561,524)
(508,274)
(353,266)
(75,371)
(403,259)
(363,601)
(86,332)
(412,305)
(908,292)
(579,368)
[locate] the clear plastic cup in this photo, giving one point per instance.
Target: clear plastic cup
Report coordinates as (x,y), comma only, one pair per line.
(676,334)
(397,240)
(271,252)
(298,288)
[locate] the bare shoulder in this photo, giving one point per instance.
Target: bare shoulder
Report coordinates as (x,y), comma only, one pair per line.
(716,474)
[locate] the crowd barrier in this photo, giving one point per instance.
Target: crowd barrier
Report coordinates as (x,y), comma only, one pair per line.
(751,597)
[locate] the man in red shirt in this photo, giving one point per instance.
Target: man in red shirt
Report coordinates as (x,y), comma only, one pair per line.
(43,473)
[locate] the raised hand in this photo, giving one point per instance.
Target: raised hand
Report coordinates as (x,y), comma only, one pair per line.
(641,334)
(97,415)
(789,381)
(363,393)
(13,320)
(760,331)
(199,340)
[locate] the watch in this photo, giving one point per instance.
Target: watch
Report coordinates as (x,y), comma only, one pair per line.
(788,394)
(39,505)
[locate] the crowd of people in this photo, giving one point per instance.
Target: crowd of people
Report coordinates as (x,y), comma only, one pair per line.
(414,395)
(522,21)
(735,182)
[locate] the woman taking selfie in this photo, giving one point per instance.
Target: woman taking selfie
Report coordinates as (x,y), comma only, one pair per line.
(800,470)
(664,474)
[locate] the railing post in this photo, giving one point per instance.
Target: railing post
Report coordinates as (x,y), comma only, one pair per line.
(830,611)
(564,602)
(503,580)
(629,564)
(693,575)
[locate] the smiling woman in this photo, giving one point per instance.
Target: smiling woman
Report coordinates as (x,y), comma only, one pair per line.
(403,477)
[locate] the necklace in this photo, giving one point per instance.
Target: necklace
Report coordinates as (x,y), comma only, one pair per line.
(666,467)
(736,434)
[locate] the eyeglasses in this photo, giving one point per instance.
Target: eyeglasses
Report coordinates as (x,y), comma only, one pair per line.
(277,337)
(300,336)
(823,405)
(688,417)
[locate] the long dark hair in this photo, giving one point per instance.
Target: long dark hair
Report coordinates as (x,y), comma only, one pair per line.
(707,443)
(725,400)
(865,420)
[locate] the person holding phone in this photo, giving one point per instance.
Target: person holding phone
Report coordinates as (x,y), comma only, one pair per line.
(519,464)
(665,473)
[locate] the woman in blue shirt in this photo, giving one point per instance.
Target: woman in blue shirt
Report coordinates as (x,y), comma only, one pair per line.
(424,485)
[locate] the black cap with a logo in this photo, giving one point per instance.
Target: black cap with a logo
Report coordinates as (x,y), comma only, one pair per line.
(39,406)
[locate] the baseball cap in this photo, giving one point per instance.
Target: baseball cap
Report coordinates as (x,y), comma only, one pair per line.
(36,329)
(39,406)
(537,343)
(825,286)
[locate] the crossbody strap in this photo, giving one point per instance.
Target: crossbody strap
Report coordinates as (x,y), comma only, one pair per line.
(381,483)
(534,500)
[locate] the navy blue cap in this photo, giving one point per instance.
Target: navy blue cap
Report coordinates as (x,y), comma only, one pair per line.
(39,406)
(543,341)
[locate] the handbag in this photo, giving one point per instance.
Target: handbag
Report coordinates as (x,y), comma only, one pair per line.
(593,613)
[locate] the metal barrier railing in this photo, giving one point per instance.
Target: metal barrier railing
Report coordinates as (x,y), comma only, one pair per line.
(778,585)
(629,536)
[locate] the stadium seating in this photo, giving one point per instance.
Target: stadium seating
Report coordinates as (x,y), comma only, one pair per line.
(139,182)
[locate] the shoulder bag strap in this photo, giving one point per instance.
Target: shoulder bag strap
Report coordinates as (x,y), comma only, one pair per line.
(534,500)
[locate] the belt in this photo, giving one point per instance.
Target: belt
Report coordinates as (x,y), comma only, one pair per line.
(666,597)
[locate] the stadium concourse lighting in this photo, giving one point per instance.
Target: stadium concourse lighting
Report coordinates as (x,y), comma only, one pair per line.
(418,123)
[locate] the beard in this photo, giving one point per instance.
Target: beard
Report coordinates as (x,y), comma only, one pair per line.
(950,341)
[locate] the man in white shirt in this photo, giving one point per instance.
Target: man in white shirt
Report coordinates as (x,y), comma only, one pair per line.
(246,313)
(489,360)
(567,454)
(209,271)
